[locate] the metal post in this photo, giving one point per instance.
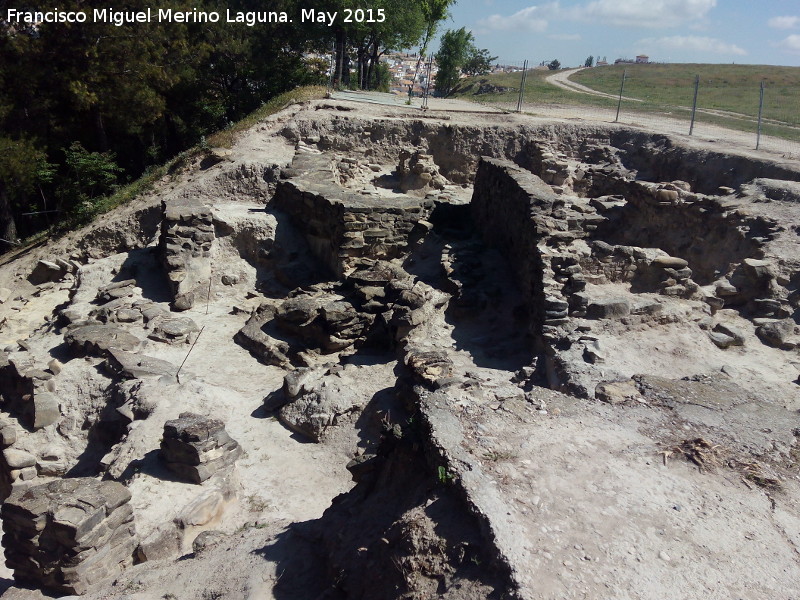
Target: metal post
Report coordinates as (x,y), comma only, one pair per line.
(427,85)
(333,68)
(760,112)
(521,87)
(524,83)
(694,103)
(621,89)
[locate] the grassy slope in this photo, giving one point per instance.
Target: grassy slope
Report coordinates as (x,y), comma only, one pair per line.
(733,88)
(537,90)
(224,138)
(669,89)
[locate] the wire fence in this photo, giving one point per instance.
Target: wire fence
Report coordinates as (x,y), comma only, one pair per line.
(731,104)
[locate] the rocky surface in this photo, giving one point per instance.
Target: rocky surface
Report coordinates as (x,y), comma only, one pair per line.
(196,447)
(474,357)
(187,233)
(68,534)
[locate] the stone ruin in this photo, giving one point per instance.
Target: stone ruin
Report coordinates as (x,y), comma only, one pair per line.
(187,233)
(196,448)
(431,305)
(69,534)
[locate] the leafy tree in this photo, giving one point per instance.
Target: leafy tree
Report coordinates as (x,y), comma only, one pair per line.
(20,161)
(403,27)
(554,65)
(134,95)
(454,51)
(88,177)
(434,12)
(479,62)
(589,62)
(382,77)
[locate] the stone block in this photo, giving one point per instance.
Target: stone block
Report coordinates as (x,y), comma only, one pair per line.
(18,459)
(68,534)
(196,447)
(608,308)
(778,334)
(46,409)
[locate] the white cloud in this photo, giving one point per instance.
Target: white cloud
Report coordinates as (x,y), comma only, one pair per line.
(788,22)
(694,44)
(627,13)
(565,37)
(532,18)
(791,44)
(643,13)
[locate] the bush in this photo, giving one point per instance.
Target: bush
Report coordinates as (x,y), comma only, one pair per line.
(89,177)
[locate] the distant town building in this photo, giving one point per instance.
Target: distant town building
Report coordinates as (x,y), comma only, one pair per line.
(643,59)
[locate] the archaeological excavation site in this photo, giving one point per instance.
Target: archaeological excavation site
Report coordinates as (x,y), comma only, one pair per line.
(371,352)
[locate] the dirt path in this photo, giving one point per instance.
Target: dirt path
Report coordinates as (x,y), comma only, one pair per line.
(562,80)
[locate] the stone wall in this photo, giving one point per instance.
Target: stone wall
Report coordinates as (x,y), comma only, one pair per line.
(519,214)
(187,233)
(68,534)
(710,232)
(508,206)
(341,226)
(456,148)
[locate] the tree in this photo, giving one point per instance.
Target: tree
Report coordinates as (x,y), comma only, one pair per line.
(479,62)
(89,176)
(454,51)
(19,165)
(434,11)
(589,62)
(554,65)
(404,25)
(145,93)
(382,77)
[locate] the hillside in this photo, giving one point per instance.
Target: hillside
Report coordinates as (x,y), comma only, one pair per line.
(728,94)
(733,88)
(537,90)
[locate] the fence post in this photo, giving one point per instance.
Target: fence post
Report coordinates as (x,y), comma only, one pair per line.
(427,91)
(694,102)
(760,112)
(522,86)
(621,89)
(333,68)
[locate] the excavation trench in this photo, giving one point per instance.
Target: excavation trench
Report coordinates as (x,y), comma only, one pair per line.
(394,304)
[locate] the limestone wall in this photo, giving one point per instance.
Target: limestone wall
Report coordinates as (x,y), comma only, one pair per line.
(340,226)
(456,149)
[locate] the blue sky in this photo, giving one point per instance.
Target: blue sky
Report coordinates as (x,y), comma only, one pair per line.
(703,31)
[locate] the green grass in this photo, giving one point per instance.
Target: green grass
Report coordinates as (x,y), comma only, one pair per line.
(226,137)
(537,91)
(733,88)
(668,90)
